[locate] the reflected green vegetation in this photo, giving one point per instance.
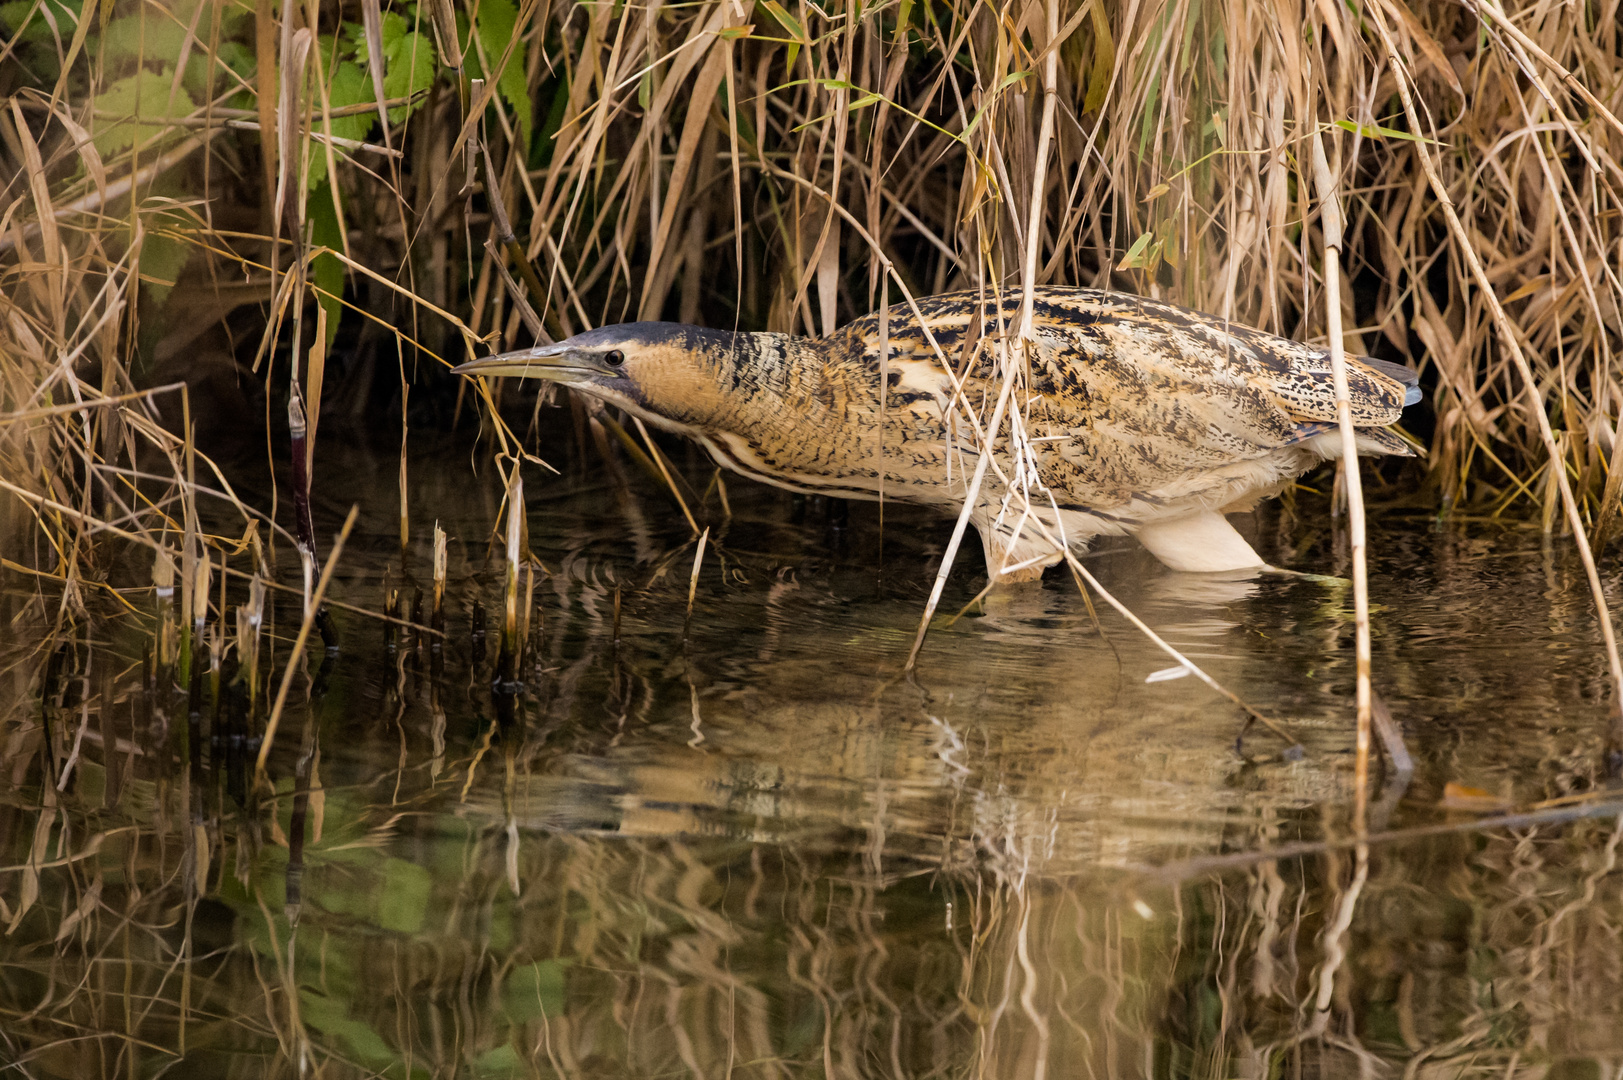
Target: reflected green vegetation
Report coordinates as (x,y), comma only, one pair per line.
(743,844)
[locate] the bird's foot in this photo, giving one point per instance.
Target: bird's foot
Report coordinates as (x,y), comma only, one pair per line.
(1300,575)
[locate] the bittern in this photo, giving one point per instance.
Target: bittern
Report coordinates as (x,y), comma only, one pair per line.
(1129,416)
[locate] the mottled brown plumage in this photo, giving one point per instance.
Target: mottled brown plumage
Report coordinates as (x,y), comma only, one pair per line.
(1138,417)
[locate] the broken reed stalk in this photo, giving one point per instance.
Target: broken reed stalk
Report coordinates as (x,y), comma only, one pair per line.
(250,622)
(1330,221)
(1335,935)
(295,659)
(438,616)
(200,594)
(191,538)
(303,523)
(405,495)
(526,614)
(1507,337)
(693,578)
(507,663)
(163,587)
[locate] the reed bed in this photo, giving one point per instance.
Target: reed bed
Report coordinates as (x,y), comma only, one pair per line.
(208,193)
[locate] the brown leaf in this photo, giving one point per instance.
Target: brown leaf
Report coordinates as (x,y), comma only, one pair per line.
(1429,48)
(1472,800)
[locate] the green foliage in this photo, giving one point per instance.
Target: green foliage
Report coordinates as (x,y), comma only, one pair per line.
(332,1018)
(231,65)
(408,56)
(404,901)
(348,84)
(39,30)
(163,257)
(139,104)
(327,270)
(498,27)
(138,39)
(533,990)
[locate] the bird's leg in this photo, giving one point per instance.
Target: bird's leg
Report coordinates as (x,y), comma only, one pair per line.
(1010,559)
(1199,543)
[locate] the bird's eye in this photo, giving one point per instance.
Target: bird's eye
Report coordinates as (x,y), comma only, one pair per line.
(614,358)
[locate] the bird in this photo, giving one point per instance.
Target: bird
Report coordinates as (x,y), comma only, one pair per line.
(1129,415)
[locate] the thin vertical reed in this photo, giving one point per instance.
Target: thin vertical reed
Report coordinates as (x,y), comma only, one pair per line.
(513,552)
(1330,222)
(295,660)
(439,578)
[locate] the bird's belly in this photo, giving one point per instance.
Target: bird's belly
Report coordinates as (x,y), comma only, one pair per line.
(923,463)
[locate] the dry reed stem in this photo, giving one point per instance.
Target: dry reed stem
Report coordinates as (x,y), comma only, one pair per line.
(1330,219)
(698,561)
(295,660)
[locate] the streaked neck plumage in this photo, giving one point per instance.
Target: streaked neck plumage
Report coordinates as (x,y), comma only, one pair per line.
(755,385)
(789,411)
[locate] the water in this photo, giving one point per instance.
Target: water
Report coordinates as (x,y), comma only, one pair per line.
(742,843)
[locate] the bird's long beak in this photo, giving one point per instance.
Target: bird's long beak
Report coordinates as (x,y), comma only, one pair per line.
(559,363)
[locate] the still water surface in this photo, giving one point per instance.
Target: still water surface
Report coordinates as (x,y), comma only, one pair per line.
(741,843)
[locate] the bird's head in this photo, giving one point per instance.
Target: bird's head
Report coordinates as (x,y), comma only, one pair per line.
(668,373)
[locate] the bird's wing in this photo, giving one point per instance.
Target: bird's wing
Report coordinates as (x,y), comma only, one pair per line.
(1216,363)
(1135,341)
(1125,343)
(1135,394)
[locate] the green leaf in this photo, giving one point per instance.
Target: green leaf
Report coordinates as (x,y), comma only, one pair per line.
(502,1061)
(232,61)
(792,25)
(349,85)
(142,40)
(327,270)
(1134,259)
(498,25)
(1104,60)
(330,1017)
(394,27)
(1147,122)
(1375,131)
(136,104)
(786,20)
(162,260)
(411,69)
(14,17)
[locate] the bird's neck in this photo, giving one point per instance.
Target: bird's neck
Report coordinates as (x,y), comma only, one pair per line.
(764,385)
